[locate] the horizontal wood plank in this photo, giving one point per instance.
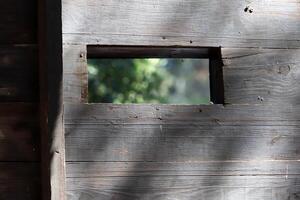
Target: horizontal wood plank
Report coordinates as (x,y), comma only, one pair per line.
(107,132)
(19,135)
(187,23)
(86,130)
(212,168)
(186,152)
(19,181)
(176,182)
(261,76)
(245,152)
(18,22)
(193,115)
(183,187)
(181,149)
(18,77)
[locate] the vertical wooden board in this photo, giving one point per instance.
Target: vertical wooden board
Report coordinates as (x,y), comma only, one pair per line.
(226,23)
(261,76)
(51,100)
(75,73)
(18,22)
(216,81)
(18,77)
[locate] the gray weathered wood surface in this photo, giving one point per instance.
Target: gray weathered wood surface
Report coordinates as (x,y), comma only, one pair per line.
(186,152)
(261,76)
(192,168)
(192,115)
(251,76)
(184,187)
(247,149)
(75,73)
(194,22)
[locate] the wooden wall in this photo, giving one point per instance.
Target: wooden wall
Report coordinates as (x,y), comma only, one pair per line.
(247,149)
(19,126)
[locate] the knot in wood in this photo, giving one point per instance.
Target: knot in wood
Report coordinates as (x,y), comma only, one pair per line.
(284,70)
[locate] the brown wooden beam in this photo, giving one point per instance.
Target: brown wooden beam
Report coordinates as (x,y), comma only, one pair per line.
(50,82)
(98,51)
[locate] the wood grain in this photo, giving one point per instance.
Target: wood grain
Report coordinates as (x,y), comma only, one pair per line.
(192,168)
(18,77)
(107,132)
(75,85)
(181,149)
(19,134)
(193,115)
(19,180)
(182,152)
(19,131)
(261,76)
(271,24)
(51,100)
(247,149)
(18,22)
(123,142)
(183,187)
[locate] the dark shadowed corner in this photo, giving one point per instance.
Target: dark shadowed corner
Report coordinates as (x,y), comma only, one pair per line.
(51,100)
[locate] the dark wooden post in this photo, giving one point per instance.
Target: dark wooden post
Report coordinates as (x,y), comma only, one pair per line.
(51,104)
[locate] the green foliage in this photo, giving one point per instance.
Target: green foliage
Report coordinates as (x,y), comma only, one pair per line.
(175,81)
(129,81)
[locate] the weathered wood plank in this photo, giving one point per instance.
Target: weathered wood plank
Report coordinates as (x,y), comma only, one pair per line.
(187,194)
(75,73)
(176,182)
(176,131)
(184,187)
(106,132)
(214,115)
(18,77)
(188,23)
(182,149)
(213,168)
(19,181)
(51,100)
(203,152)
(19,135)
(261,76)
(18,22)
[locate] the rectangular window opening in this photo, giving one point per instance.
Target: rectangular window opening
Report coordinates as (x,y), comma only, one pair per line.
(154,75)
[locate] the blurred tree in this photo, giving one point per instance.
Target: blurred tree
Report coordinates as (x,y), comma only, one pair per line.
(128,81)
(178,81)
